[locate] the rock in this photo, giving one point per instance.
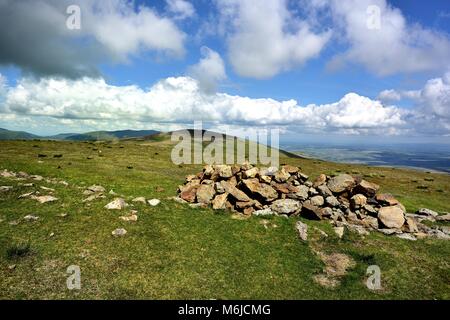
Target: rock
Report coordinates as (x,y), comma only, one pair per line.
(302,230)
(281,176)
(5,188)
(264,212)
(44,199)
(436,233)
(205,193)
(320,180)
(339,231)
(290,169)
(406,236)
(310,211)
(392,217)
(235,192)
(370,222)
(358,201)
(445,217)
(96,189)
(264,190)
(302,193)
(94,197)
(26,195)
(154,202)
(129,218)
(220,201)
(324,191)
(189,194)
(317,201)
(116,204)
(358,229)
(219,188)
(370,209)
(271,171)
(323,234)
(341,183)
(427,212)
(281,187)
(366,188)
(119,232)
(208,170)
(420,235)
(47,189)
(286,206)
(251,173)
(139,199)
(223,170)
(410,225)
(332,201)
(389,232)
(248,211)
(386,199)
(326,212)
(30,217)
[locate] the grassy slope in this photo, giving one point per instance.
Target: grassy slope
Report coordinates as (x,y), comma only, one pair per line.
(174,251)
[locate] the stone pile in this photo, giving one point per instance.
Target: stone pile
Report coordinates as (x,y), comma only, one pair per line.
(347,201)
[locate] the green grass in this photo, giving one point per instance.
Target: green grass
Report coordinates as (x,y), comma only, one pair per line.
(174,251)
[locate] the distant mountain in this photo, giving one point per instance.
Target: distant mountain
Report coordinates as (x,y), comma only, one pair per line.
(108,135)
(89,136)
(16,135)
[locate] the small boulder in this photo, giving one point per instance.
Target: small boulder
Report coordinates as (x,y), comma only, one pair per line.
(339,231)
(392,217)
(139,199)
(320,180)
(310,211)
(332,201)
(154,202)
(205,193)
(219,202)
(317,201)
(427,212)
(386,199)
(366,188)
(341,183)
(286,206)
(116,204)
(358,201)
(120,232)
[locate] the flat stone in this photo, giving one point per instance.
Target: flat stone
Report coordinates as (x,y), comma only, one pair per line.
(119,232)
(189,194)
(30,217)
(445,217)
(235,192)
(332,201)
(339,231)
(320,180)
(223,170)
(386,199)
(264,212)
(264,190)
(205,193)
(324,191)
(129,218)
(5,188)
(251,173)
(96,189)
(317,201)
(290,169)
(406,236)
(44,199)
(154,202)
(358,201)
(310,211)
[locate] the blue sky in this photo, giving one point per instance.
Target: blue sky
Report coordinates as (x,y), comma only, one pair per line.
(301,66)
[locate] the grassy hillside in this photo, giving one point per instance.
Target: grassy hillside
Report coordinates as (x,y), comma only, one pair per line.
(174,251)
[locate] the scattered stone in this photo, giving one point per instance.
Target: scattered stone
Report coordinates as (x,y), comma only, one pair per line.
(139,199)
(392,217)
(47,189)
(44,199)
(339,231)
(302,230)
(317,201)
(5,188)
(30,217)
(94,197)
(26,195)
(11,267)
(264,212)
(119,232)
(154,202)
(389,232)
(129,218)
(322,233)
(116,204)
(96,189)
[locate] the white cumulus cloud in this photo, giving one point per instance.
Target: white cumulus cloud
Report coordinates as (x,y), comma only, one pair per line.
(182,9)
(209,70)
(264,38)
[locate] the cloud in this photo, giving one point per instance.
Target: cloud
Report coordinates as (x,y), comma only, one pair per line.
(34,36)
(432,100)
(182,9)
(264,38)
(395,47)
(181,101)
(209,70)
